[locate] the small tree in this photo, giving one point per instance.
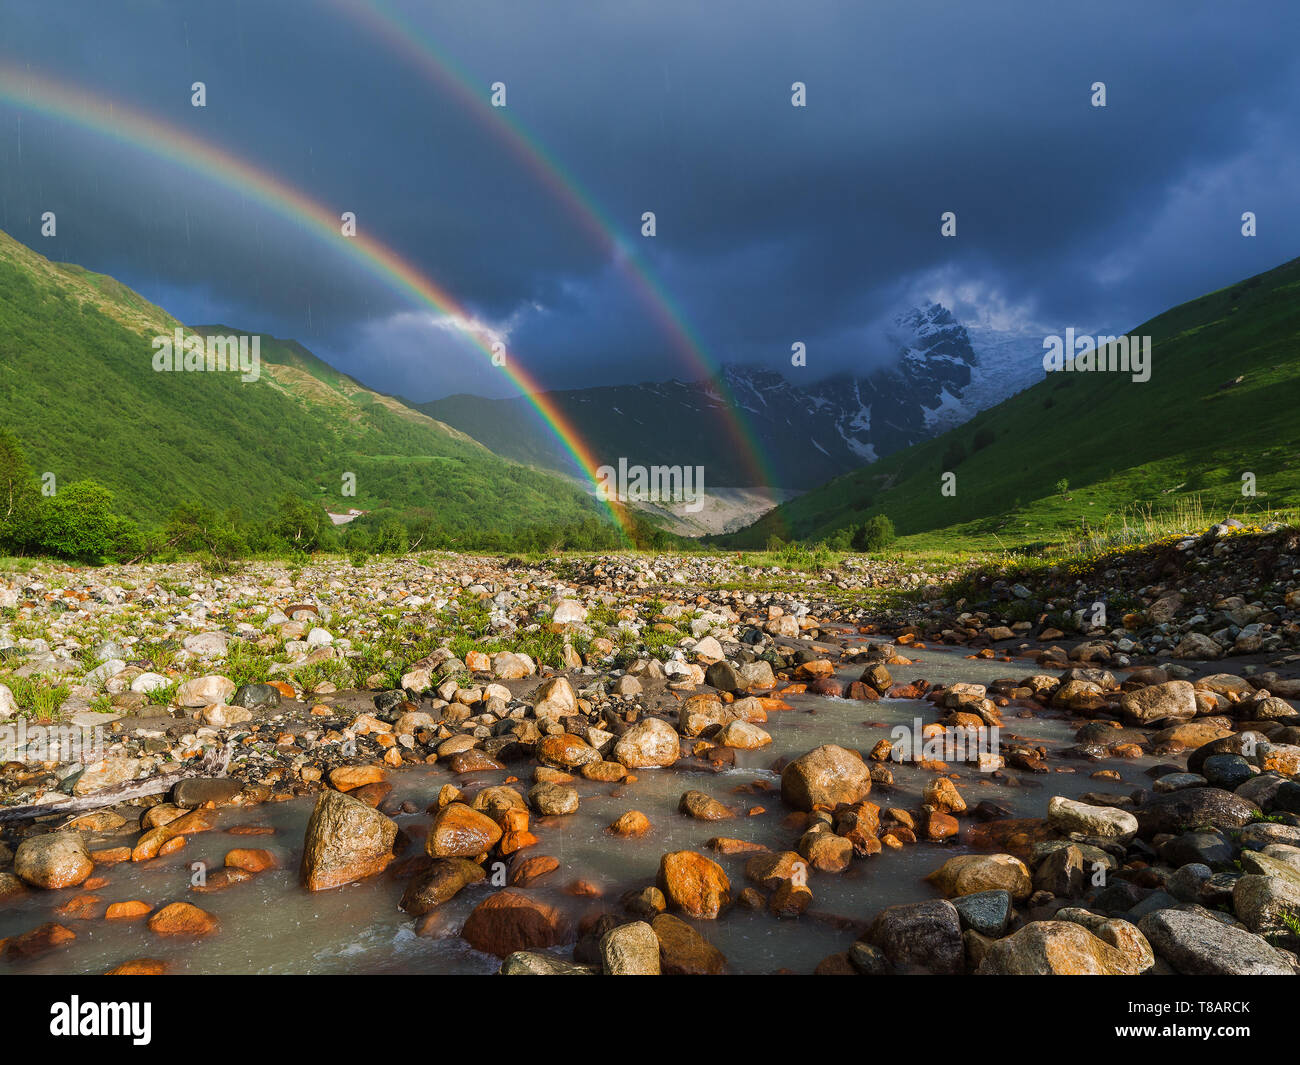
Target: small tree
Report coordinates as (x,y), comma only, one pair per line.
(842,539)
(79,523)
(876,533)
(20,499)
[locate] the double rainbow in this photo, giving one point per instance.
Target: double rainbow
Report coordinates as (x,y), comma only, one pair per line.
(408,40)
(42,95)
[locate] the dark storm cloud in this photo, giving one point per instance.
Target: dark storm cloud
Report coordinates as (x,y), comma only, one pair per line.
(775,223)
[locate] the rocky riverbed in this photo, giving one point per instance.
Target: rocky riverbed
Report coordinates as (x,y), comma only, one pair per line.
(655,764)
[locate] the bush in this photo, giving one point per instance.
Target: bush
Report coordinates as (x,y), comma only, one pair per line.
(19,499)
(842,539)
(984,436)
(878,532)
(79,523)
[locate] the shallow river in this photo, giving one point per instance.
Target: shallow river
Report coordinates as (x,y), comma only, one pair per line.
(271,925)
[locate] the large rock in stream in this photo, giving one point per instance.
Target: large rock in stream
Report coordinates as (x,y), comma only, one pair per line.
(825,776)
(346,841)
(54,860)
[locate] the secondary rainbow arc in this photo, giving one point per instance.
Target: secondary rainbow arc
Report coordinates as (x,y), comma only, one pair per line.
(417,46)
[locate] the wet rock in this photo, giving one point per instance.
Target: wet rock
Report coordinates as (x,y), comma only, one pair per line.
(130,910)
(1195,944)
(351,777)
(38,941)
(139,967)
(772,869)
(969,874)
(250,859)
(509,921)
(459,831)
(648,744)
(630,950)
(743,736)
(54,860)
(1208,848)
(553,800)
(703,807)
(346,840)
(986,912)
(1098,822)
(529,963)
(1180,811)
(920,937)
(683,951)
(694,884)
(825,851)
(1264,903)
(699,713)
(1227,771)
(442,881)
(566,752)
(1174,700)
(1055,948)
(826,776)
(631,825)
(942,794)
(529,870)
(198,791)
(473,761)
(183,919)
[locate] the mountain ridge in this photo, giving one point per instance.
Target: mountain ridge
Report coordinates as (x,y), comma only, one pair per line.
(84,401)
(1077,449)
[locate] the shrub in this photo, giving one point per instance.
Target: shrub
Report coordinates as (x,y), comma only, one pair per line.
(19,499)
(79,523)
(876,533)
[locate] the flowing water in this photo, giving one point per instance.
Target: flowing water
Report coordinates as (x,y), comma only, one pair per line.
(271,925)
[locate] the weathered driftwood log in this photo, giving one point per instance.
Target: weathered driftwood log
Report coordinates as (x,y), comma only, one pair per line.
(213,764)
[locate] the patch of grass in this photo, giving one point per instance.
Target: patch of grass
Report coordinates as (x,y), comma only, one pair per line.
(246,663)
(35,696)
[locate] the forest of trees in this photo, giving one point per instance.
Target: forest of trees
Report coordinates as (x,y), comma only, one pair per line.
(80,522)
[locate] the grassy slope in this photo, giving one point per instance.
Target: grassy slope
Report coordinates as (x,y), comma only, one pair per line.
(1122,446)
(78,389)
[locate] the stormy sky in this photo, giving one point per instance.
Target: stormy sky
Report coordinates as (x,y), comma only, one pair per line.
(775,223)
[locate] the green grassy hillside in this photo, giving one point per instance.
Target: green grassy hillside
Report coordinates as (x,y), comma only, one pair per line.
(78,389)
(1088,450)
